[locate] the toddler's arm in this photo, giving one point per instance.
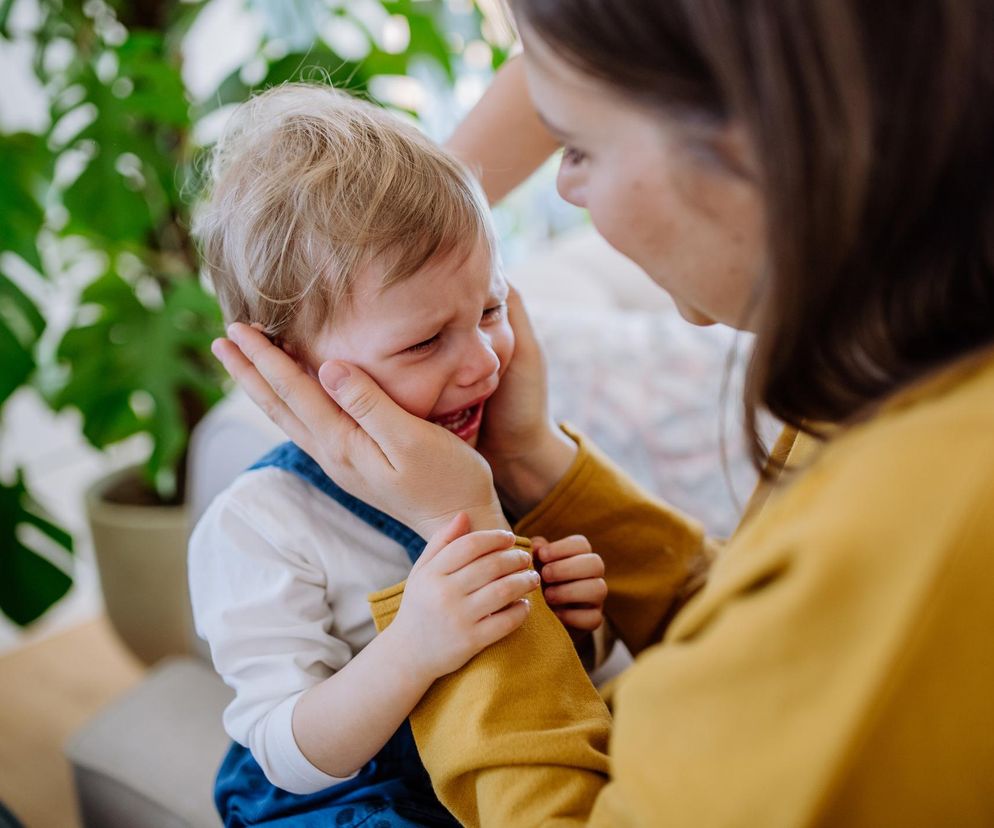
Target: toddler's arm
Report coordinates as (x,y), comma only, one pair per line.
(463,594)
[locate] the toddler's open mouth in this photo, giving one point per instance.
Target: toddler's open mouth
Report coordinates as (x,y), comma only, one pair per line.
(464,423)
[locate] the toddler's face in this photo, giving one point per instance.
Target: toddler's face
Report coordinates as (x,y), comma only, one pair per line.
(437,343)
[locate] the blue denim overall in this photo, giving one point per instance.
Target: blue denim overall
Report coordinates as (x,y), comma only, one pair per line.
(393,788)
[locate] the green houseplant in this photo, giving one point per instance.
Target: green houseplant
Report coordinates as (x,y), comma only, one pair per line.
(112,181)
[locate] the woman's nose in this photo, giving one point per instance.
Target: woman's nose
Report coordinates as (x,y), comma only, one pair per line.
(571,184)
(479,362)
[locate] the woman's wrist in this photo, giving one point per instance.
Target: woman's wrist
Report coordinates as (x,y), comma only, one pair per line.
(525,479)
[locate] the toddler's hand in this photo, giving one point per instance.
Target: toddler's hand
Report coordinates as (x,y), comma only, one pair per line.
(466,591)
(573,582)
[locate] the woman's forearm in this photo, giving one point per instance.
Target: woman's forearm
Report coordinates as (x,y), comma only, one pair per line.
(502,139)
(342,723)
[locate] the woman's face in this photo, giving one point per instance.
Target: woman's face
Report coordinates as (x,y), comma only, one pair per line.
(676,197)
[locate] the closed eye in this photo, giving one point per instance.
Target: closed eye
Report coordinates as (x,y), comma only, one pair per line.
(495,313)
(421,347)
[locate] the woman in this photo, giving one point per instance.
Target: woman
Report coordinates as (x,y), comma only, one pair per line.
(820,173)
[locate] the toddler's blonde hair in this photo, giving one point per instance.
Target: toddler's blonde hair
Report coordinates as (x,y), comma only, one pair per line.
(308,186)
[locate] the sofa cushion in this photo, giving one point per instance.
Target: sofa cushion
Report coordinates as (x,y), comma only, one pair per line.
(150,758)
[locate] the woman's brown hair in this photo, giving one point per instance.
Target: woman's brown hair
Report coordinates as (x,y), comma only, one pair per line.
(873,123)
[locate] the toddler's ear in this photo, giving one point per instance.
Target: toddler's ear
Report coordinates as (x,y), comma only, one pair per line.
(291,350)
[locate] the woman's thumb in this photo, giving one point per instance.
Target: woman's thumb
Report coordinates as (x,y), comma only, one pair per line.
(360,397)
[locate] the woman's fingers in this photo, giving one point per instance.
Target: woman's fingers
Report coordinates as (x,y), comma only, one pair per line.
(358,395)
(525,340)
(299,391)
(260,391)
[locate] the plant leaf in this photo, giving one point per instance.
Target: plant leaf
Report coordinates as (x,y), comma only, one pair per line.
(29,583)
(162,352)
(21,324)
(24,175)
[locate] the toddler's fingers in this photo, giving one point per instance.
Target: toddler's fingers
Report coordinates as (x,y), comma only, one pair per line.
(500,593)
(456,528)
(589,565)
(564,548)
(491,567)
(581,619)
(591,591)
(499,624)
(469,547)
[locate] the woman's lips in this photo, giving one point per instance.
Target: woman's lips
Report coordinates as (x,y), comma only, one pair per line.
(463,423)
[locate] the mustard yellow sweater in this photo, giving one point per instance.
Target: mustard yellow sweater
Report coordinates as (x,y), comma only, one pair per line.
(836,669)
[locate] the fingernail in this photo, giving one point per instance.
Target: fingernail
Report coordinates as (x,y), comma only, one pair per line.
(534,577)
(216,348)
(333,375)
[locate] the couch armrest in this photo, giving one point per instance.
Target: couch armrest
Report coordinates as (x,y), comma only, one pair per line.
(150,757)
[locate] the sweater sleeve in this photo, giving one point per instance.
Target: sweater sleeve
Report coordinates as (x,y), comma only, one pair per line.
(653,554)
(555,754)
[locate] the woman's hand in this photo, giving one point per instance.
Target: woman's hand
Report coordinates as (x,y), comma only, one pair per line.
(466,591)
(527,452)
(417,472)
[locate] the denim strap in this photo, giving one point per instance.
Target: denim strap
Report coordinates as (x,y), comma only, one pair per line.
(290,457)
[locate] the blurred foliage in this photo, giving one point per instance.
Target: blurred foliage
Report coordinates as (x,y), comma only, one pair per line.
(111,180)
(29,582)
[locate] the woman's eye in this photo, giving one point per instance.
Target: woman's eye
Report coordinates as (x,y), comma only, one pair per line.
(495,313)
(421,347)
(571,155)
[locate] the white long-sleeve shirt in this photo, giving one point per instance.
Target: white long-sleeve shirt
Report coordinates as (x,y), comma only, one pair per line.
(279,573)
